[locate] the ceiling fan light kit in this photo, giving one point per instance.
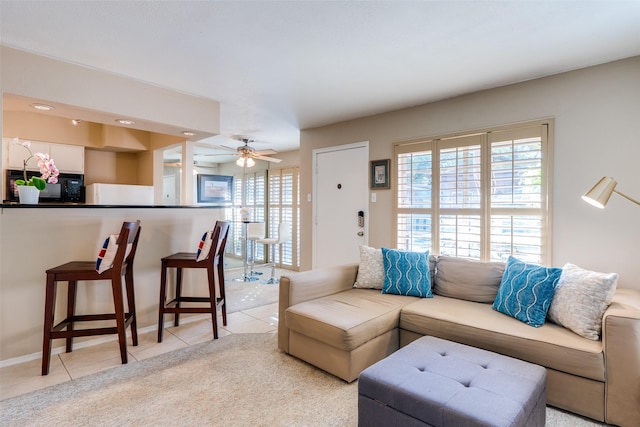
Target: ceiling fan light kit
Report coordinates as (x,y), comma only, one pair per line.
(248,155)
(245,161)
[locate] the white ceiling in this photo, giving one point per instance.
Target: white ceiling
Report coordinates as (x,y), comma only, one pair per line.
(277,67)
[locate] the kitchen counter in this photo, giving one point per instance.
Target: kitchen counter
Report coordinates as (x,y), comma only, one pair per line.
(34,238)
(84,205)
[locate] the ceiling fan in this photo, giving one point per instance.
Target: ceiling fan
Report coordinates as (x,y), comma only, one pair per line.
(247,154)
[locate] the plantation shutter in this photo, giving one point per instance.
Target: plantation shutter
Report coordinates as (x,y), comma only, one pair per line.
(482,195)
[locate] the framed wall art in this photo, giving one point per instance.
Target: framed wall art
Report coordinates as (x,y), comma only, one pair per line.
(380,174)
(215,189)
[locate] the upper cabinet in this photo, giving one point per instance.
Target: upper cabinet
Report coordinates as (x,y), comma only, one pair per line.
(68,158)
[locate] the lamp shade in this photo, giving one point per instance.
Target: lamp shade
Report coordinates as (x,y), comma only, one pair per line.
(599,195)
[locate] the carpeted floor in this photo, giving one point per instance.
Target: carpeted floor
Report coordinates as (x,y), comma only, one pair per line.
(238,380)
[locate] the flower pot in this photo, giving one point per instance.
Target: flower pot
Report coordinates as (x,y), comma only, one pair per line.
(28,195)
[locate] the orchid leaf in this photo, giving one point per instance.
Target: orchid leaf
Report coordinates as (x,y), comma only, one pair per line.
(39,183)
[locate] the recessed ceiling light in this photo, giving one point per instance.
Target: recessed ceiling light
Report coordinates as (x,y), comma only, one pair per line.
(125,121)
(76,122)
(188,133)
(43,107)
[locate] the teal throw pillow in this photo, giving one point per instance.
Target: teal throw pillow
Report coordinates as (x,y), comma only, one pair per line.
(406,273)
(526,291)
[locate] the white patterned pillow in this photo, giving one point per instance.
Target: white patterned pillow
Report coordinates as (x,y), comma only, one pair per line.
(371,269)
(108,251)
(204,245)
(580,300)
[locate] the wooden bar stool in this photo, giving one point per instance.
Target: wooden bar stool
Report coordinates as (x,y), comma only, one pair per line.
(212,261)
(74,271)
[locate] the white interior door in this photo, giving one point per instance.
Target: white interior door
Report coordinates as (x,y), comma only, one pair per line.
(340,194)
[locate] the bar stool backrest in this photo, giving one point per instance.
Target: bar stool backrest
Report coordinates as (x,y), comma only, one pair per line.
(255,230)
(223,233)
(127,246)
(218,241)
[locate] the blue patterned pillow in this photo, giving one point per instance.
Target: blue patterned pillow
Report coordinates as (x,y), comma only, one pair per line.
(406,273)
(526,291)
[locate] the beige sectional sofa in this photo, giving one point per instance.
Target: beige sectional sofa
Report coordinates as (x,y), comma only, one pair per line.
(328,323)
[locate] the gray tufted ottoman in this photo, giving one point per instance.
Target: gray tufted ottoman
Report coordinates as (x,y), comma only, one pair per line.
(440,383)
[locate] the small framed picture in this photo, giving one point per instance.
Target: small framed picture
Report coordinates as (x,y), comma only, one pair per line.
(215,189)
(380,174)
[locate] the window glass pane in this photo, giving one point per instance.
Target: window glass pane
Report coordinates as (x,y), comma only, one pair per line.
(414,180)
(516,173)
(414,232)
(520,236)
(460,177)
(460,236)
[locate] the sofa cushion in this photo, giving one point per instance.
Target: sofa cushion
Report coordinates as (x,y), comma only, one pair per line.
(467,279)
(348,319)
(478,325)
(370,269)
(406,273)
(580,300)
(526,291)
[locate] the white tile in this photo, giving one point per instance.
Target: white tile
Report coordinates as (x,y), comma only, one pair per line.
(26,377)
(250,327)
(270,310)
(148,345)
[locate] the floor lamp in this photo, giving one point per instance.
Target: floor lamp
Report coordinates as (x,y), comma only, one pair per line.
(599,195)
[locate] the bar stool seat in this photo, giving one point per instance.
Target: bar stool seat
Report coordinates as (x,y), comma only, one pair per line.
(284,235)
(75,271)
(212,262)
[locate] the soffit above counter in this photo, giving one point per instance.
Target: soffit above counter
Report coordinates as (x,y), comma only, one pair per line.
(90,95)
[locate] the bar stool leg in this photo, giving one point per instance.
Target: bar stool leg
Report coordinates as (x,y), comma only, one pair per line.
(71,311)
(116,285)
(49,304)
(163,299)
(213,301)
(131,303)
(176,318)
(223,295)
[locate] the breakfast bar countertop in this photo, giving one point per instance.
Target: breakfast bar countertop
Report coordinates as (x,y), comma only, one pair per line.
(67,205)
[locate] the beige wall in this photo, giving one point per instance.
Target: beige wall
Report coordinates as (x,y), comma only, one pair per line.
(597,132)
(41,127)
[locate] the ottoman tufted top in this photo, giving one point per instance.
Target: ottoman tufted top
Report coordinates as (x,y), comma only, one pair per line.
(443,383)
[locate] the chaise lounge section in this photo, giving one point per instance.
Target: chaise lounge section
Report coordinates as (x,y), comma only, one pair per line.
(328,323)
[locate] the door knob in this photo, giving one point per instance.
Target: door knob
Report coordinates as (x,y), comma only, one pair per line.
(360,233)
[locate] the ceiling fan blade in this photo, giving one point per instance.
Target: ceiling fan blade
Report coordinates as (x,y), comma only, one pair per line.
(268,159)
(264,152)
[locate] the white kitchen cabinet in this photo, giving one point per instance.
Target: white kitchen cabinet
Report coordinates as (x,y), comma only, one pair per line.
(68,158)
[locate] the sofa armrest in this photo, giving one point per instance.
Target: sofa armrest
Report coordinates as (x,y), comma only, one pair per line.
(308,285)
(621,343)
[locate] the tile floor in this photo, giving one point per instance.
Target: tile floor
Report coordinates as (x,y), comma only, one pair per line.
(25,377)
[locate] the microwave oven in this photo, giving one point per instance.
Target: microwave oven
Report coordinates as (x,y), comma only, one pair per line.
(70,187)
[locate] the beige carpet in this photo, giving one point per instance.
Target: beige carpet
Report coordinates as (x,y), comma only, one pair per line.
(238,380)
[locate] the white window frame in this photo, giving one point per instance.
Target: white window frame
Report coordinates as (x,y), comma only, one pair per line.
(485,210)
